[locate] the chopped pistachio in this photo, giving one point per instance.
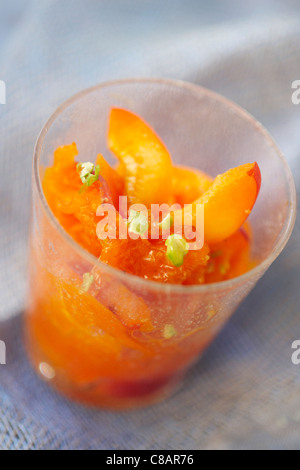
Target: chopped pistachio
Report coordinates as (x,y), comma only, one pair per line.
(177,249)
(88,172)
(167,222)
(88,280)
(210,267)
(137,222)
(210,314)
(169,331)
(224,268)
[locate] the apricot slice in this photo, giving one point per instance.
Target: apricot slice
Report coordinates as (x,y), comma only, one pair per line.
(114,180)
(144,158)
(131,309)
(227,203)
(229,258)
(76,210)
(93,314)
(189,184)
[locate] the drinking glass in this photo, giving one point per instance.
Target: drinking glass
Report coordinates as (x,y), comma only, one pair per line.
(77,340)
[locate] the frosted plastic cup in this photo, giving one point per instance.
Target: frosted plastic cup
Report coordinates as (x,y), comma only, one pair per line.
(77,341)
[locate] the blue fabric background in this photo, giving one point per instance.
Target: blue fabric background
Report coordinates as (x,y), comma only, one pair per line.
(244,394)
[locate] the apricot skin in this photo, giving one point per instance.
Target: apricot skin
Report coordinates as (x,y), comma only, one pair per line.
(227,203)
(144,158)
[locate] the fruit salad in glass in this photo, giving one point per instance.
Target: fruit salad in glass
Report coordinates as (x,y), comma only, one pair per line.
(135,263)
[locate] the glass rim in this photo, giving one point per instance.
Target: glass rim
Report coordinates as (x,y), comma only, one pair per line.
(158,286)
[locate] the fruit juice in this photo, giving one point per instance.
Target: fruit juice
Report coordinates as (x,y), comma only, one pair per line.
(108,329)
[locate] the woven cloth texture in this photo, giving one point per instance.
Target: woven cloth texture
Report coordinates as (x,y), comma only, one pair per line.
(244,393)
